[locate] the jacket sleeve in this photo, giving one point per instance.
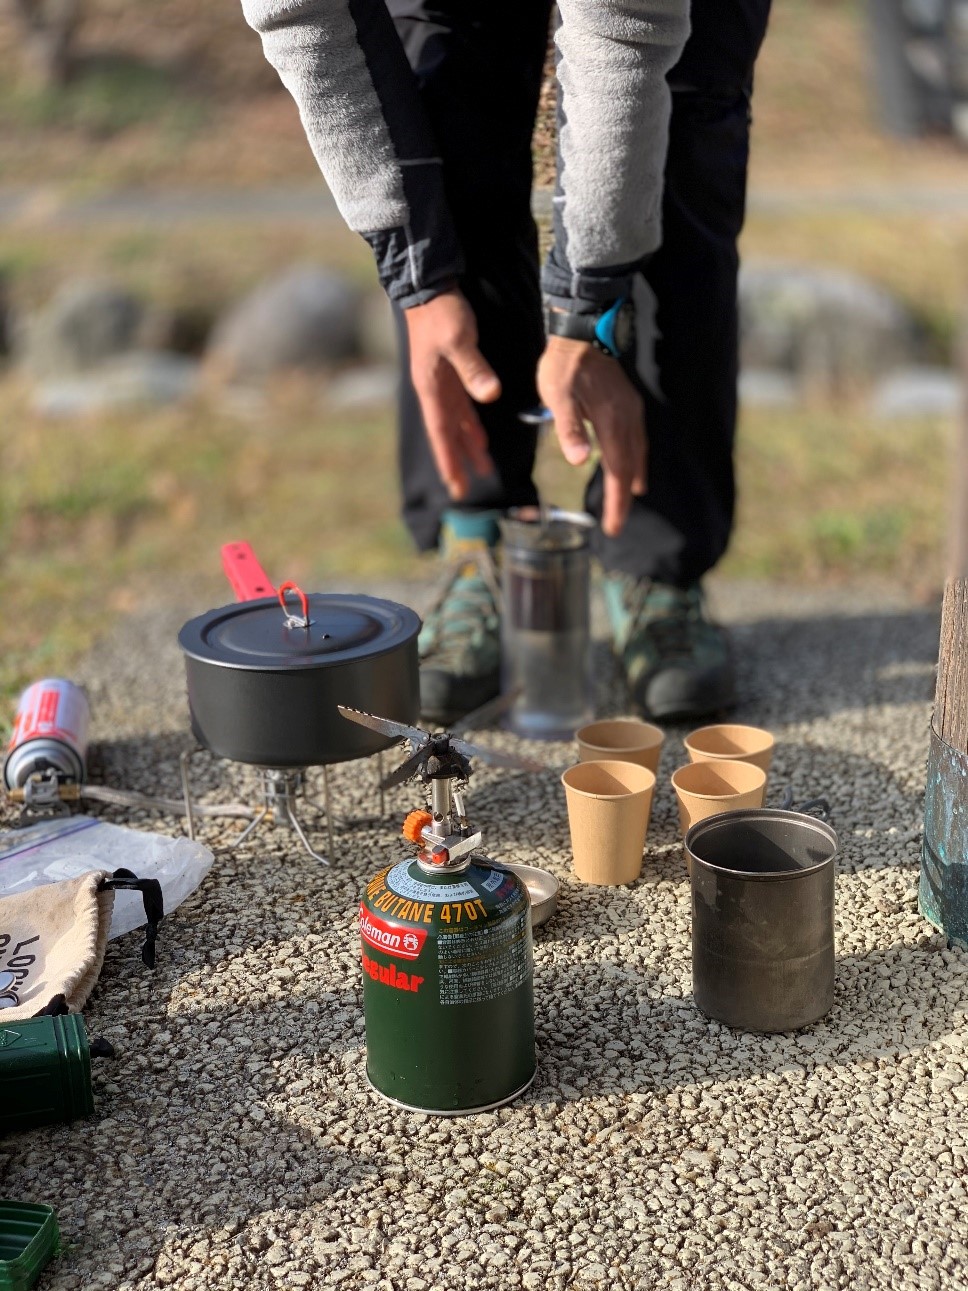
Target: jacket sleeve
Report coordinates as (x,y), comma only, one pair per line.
(613,128)
(343,63)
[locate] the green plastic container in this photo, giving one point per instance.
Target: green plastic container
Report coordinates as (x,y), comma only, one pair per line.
(45,1072)
(29,1239)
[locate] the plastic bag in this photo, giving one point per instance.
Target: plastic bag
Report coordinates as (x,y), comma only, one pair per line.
(70,846)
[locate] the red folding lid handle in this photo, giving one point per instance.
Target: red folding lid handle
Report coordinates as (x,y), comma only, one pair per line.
(293,620)
(248,579)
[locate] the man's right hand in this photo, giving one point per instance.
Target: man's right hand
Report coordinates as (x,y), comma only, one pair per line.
(582,387)
(448,372)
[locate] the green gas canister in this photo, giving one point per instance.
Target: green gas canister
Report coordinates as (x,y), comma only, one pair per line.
(447,956)
(45,1072)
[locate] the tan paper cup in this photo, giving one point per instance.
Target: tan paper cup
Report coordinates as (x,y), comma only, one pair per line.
(609,804)
(707,788)
(731,743)
(622,739)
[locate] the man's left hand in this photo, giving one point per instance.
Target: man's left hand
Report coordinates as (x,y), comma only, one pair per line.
(579,384)
(448,372)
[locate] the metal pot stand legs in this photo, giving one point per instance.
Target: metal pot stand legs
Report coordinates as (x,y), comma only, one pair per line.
(282,789)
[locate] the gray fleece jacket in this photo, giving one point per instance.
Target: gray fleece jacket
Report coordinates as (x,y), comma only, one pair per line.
(360,107)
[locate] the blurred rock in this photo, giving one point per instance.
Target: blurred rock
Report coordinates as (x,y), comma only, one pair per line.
(832,330)
(918,392)
(306,318)
(89,321)
(182,329)
(378,333)
(128,381)
(362,388)
(761,389)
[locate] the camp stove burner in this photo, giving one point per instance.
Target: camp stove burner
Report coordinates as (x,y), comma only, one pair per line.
(282,789)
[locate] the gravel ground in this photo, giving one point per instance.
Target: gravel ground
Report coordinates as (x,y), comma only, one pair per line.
(235,1142)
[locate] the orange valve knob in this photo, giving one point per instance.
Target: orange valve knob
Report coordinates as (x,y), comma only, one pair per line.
(415,824)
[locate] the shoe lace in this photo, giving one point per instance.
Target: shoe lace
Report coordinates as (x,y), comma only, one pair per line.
(466,603)
(671,631)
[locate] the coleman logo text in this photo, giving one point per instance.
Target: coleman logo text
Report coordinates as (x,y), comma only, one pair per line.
(406,943)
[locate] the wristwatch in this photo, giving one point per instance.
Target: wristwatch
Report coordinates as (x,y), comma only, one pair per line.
(612,331)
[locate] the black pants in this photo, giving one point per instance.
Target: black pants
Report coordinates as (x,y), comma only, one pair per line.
(479,63)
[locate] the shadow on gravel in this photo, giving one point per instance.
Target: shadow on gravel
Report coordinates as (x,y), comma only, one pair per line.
(798,669)
(515,808)
(795,670)
(146,764)
(878,820)
(605,1032)
(271,1071)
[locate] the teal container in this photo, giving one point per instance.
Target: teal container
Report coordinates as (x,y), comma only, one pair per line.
(29,1239)
(943,883)
(448,991)
(45,1072)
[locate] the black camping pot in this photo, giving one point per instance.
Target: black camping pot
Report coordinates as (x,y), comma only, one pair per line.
(265,676)
(763,917)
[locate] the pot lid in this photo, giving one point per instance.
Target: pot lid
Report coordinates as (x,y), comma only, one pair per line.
(262,636)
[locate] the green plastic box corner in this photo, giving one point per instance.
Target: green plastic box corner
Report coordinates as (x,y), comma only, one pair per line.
(45,1072)
(29,1239)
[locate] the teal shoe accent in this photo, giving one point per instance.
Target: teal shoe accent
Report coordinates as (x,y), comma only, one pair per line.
(677,663)
(469,526)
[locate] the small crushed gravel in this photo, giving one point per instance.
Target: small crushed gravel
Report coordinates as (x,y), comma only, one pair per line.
(235,1142)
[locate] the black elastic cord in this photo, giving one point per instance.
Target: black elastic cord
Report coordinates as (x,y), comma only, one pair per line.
(56,1006)
(154,904)
(817,807)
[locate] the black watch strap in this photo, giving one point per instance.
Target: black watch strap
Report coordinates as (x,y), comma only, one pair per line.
(576,327)
(612,330)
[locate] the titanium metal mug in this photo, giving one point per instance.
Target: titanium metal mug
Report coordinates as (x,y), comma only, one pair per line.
(763,918)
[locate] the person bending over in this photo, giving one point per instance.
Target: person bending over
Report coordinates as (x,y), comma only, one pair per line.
(420,115)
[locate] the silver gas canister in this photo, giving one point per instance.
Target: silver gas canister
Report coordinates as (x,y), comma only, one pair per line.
(545,625)
(50,733)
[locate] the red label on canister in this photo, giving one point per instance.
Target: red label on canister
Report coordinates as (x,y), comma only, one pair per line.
(55,710)
(48,703)
(405,943)
(49,731)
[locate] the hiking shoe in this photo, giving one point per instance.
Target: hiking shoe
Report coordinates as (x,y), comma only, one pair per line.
(460,642)
(676,662)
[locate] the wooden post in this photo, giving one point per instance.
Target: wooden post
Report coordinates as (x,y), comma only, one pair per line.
(951,695)
(958,546)
(951,692)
